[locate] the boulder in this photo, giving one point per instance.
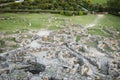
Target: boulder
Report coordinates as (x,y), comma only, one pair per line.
(2,58)
(35,68)
(51,78)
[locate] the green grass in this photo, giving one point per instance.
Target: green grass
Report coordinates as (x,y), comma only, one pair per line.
(54,28)
(93,43)
(21,21)
(83,20)
(37,21)
(110,21)
(11,24)
(97,32)
(99,1)
(78,38)
(30,21)
(107,20)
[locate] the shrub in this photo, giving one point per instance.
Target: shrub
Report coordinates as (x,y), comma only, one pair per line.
(62,12)
(68,13)
(76,13)
(71,8)
(80,12)
(85,13)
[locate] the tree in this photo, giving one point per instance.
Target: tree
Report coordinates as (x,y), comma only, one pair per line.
(113,6)
(6,1)
(68,5)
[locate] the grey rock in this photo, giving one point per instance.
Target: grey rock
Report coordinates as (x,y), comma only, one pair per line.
(2,58)
(35,68)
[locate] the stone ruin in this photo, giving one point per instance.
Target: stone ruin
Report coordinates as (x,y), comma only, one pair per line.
(57,55)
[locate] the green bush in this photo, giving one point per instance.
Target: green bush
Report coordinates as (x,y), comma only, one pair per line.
(71,8)
(76,13)
(85,13)
(62,12)
(68,13)
(31,11)
(81,13)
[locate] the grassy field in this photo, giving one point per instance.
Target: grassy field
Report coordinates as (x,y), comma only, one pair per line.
(99,1)
(83,20)
(110,21)
(12,21)
(107,21)
(98,32)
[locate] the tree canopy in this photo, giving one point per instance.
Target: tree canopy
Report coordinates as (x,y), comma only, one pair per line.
(6,1)
(72,5)
(114,6)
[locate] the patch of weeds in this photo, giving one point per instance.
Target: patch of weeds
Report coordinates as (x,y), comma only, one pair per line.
(97,32)
(24,30)
(13,39)
(93,44)
(9,32)
(118,34)
(107,48)
(78,38)
(117,37)
(1,51)
(54,28)
(2,43)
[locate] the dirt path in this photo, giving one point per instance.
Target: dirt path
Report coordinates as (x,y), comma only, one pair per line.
(100,16)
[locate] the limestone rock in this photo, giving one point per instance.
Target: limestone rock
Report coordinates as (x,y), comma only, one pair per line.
(2,58)
(85,70)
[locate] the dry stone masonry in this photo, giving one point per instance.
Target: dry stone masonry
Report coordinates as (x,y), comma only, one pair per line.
(57,55)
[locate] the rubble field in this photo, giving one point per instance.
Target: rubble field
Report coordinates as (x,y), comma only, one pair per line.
(70,53)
